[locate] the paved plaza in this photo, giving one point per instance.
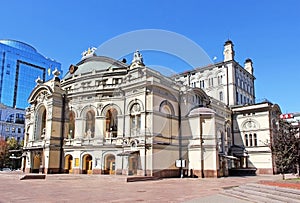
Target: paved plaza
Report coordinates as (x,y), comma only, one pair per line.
(105,188)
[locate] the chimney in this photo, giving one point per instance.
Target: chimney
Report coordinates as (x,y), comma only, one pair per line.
(248,66)
(228,51)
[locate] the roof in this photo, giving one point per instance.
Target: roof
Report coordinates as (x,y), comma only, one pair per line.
(18,45)
(96,63)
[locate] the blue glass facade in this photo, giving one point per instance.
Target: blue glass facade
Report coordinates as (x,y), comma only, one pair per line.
(20,66)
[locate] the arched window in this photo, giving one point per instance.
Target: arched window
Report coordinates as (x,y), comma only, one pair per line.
(166,122)
(135,120)
(40,124)
(10,118)
(111,123)
(90,124)
(71,125)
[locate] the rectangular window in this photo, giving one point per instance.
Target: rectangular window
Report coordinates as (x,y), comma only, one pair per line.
(221,96)
(201,83)
(255,139)
(246,140)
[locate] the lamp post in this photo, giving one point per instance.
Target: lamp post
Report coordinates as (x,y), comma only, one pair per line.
(201,147)
(180,133)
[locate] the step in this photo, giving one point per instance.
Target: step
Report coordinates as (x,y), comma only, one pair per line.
(249,197)
(33,176)
(279,197)
(290,193)
(142,178)
(281,189)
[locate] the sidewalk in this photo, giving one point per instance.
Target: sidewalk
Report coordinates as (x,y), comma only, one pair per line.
(105,188)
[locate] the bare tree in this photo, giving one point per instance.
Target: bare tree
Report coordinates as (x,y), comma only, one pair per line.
(285,148)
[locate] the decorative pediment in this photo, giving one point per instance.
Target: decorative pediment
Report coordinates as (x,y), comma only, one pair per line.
(40,93)
(250,124)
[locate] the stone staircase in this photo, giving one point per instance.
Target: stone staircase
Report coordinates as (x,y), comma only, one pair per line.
(254,192)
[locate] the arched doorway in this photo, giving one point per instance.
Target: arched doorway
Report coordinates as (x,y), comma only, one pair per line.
(36,163)
(69,164)
(87,164)
(110,164)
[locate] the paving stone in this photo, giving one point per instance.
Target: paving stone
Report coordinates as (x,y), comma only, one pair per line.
(115,188)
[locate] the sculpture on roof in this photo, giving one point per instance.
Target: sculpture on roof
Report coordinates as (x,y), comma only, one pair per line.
(89,52)
(137,59)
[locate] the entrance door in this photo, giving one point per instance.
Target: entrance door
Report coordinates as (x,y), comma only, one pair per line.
(133,165)
(36,163)
(87,164)
(110,164)
(69,164)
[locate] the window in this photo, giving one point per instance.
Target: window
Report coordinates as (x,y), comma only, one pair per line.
(10,118)
(250,140)
(40,123)
(220,77)
(211,82)
(255,139)
(135,120)
(71,125)
(90,124)
(13,130)
(111,123)
(19,130)
(43,126)
(197,100)
(246,140)
(221,96)
(20,118)
(117,81)
(166,120)
(201,83)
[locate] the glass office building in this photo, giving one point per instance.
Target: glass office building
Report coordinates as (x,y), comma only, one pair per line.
(20,66)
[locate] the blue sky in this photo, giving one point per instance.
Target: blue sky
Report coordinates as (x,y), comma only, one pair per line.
(266,31)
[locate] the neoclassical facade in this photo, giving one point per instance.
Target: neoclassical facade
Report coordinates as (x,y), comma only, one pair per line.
(109,117)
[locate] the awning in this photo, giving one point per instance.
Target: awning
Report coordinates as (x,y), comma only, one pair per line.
(33,148)
(230,157)
(127,153)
